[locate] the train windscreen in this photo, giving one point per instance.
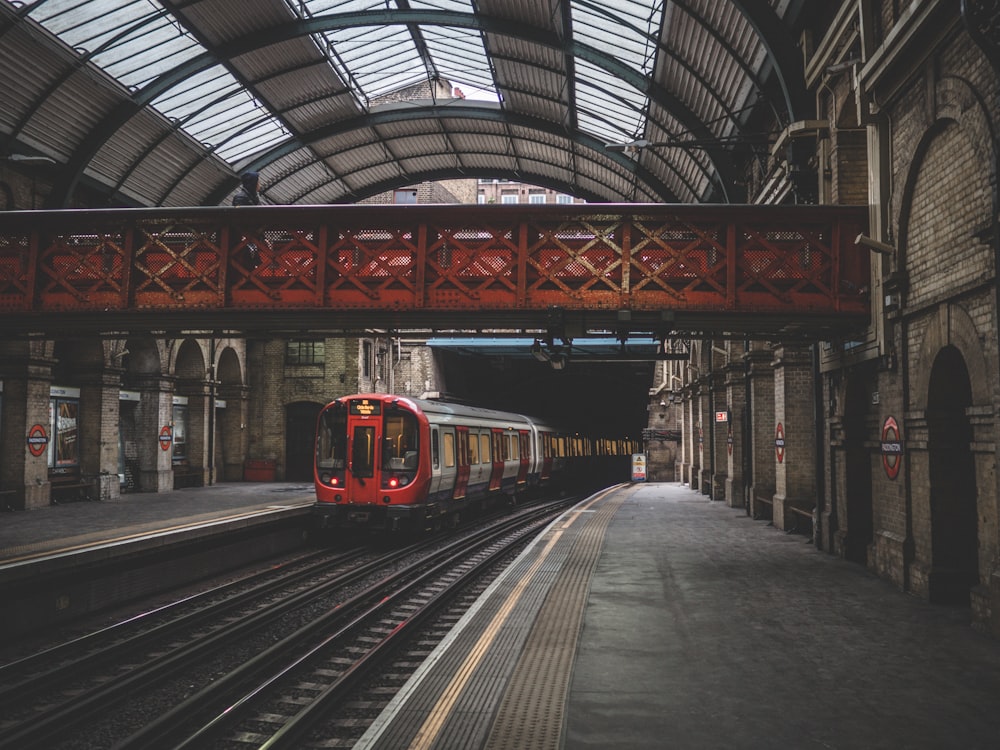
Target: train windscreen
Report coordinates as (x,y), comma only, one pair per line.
(331,438)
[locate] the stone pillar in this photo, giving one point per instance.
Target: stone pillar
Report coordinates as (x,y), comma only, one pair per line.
(704,385)
(155,412)
(231,428)
(736,401)
(762,425)
(692,468)
(26,384)
(794,409)
(99,447)
(720,432)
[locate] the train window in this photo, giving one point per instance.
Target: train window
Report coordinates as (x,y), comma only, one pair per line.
(435,449)
(515,446)
(331,443)
(363,453)
(473,449)
(399,440)
(462,447)
(449,450)
(485,452)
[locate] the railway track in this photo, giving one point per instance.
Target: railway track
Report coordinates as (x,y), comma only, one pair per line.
(218,671)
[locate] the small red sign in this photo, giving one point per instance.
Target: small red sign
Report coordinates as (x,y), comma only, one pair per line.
(722,416)
(892,448)
(38,440)
(779,443)
(166,437)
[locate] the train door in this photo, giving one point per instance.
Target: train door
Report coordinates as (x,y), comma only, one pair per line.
(496,476)
(364,425)
(524,456)
(548,448)
(449,459)
(462,461)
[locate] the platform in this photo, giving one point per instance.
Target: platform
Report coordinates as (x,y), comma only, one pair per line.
(652,617)
(64,561)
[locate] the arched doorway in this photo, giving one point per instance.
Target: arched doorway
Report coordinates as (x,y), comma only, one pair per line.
(953,492)
(858,470)
(300,432)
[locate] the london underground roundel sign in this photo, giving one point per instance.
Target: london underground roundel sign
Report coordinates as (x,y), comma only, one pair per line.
(166,438)
(892,448)
(779,442)
(38,440)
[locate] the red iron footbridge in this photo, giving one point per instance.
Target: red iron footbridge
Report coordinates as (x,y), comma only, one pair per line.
(755,271)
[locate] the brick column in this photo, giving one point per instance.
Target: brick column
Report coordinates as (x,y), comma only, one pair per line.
(99,448)
(794,409)
(26,384)
(736,403)
(720,432)
(692,467)
(762,423)
(704,385)
(154,412)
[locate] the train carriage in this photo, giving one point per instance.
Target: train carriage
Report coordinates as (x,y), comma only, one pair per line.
(389,463)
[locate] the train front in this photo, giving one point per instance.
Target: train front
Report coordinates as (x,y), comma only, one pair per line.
(372,464)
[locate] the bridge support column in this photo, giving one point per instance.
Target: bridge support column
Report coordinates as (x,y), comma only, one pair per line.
(691,471)
(735,448)
(720,432)
(760,395)
(795,471)
(99,404)
(704,385)
(27,378)
(154,422)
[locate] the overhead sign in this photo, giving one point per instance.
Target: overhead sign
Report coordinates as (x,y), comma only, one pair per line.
(38,440)
(892,448)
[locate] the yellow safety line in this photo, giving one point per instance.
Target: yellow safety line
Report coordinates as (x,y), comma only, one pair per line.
(139,535)
(435,721)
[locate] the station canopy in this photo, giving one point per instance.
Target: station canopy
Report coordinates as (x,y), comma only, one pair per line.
(166,103)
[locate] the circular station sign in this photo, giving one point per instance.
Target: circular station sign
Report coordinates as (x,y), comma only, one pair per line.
(166,437)
(38,440)
(779,442)
(892,448)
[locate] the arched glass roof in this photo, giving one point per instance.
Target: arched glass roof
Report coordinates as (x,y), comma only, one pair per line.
(161,102)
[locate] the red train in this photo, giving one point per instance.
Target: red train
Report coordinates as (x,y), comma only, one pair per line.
(389,463)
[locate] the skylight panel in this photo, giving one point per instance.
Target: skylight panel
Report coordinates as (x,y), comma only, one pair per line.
(459,56)
(216,110)
(619,27)
(133,40)
(602,98)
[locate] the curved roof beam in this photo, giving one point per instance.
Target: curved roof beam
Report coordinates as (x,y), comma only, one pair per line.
(122,113)
(783,53)
(434,175)
(462,109)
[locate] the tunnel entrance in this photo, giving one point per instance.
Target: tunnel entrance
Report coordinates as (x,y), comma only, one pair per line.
(300,433)
(954,526)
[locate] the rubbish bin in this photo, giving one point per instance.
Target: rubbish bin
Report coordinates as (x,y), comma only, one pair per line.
(259,470)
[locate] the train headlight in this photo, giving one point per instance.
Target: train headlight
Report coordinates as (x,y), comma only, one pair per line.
(393,483)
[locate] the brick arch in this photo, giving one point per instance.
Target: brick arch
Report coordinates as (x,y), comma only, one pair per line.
(959,109)
(953,327)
